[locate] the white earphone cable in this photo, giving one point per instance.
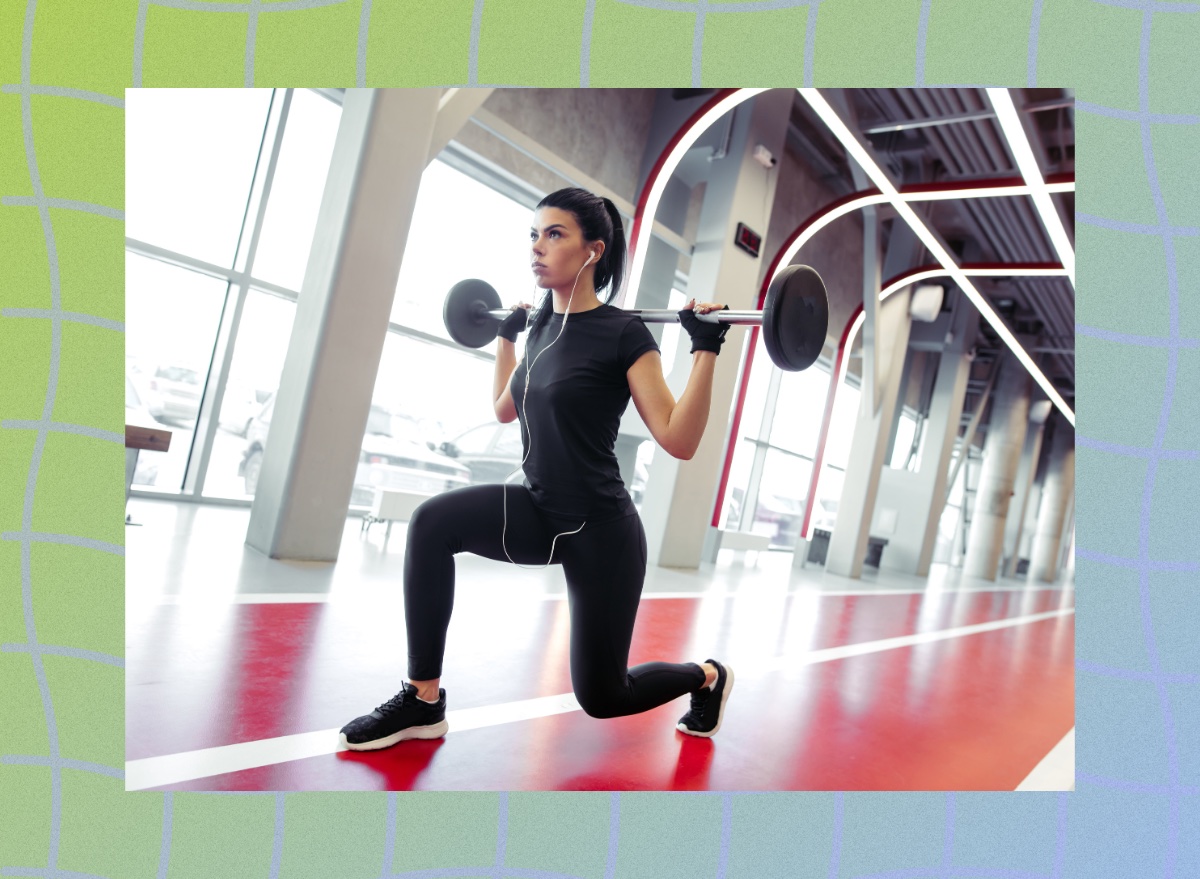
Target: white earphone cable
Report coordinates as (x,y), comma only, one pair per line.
(529,429)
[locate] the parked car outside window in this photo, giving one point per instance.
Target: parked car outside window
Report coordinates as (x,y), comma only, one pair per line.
(394,457)
(172,394)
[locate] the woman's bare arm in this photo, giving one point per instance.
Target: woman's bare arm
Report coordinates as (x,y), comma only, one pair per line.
(677,426)
(506,364)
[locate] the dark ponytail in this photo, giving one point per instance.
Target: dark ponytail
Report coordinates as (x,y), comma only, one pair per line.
(613,261)
(599,220)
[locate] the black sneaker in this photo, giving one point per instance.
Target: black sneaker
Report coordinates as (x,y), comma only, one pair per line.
(708,706)
(404,716)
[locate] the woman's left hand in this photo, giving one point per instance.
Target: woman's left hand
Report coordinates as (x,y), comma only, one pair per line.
(706,335)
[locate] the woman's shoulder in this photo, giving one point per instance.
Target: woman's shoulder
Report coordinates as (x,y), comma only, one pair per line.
(620,316)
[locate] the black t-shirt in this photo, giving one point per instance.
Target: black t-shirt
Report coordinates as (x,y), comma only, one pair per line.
(576,398)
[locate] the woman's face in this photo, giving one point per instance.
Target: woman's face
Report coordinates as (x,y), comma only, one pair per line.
(557,248)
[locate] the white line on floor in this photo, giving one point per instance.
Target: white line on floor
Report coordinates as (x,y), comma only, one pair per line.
(829,654)
(1055,771)
(176,768)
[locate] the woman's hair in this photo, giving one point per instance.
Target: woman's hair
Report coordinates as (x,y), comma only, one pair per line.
(599,220)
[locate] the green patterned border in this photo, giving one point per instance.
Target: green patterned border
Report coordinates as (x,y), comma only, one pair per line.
(64,65)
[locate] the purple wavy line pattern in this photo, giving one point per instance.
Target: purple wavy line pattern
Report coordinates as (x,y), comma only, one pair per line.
(1173,793)
(1149,639)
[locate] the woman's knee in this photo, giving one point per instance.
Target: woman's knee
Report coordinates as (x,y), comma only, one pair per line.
(422,520)
(596,702)
(435,515)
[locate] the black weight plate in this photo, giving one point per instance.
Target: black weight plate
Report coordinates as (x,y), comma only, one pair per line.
(466,312)
(795,318)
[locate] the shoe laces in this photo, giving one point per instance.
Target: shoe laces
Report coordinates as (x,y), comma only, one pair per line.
(700,697)
(395,703)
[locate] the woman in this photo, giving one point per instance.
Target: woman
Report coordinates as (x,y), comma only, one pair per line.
(573,508)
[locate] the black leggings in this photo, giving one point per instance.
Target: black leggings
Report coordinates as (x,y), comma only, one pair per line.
(605,566)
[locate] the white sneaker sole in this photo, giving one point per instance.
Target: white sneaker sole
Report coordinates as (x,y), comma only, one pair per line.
(720,710)
(413,732)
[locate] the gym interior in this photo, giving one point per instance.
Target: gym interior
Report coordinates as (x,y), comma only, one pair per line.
(881,543)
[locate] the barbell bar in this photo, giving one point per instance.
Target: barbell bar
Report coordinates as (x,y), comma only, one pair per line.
(794,319)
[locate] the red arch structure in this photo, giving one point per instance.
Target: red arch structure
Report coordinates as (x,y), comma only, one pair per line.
(691,130)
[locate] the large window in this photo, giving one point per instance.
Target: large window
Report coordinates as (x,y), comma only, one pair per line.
(903,455)
(197,161)
(772,463)
(170,324)
(441,393)
(205,169)
(296,189)
(744,451)
(190,155)
(461,229)
(949,545)
(262,341)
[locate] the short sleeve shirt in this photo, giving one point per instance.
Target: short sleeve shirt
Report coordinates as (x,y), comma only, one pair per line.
(569,422)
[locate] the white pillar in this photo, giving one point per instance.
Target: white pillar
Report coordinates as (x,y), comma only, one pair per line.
(1001,458)
(342,315)
(1026,471)
(677,510)
(919,498)
(1056,496)
(856,507)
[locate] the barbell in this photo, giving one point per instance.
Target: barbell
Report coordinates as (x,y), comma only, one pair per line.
(794,319)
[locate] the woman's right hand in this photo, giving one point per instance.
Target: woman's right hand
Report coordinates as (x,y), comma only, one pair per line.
(515,323)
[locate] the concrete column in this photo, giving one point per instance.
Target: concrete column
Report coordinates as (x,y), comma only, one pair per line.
(1029,524)
(1026,471)
(1056,497)
(918,499)
(856,507)
(1001,458)
(1068,539)
(1069,568)
(329,372)
(679,498)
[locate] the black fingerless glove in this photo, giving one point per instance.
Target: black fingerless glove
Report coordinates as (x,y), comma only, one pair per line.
(705,336)
(513,324)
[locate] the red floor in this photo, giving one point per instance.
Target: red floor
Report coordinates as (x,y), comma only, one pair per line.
(972,712)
